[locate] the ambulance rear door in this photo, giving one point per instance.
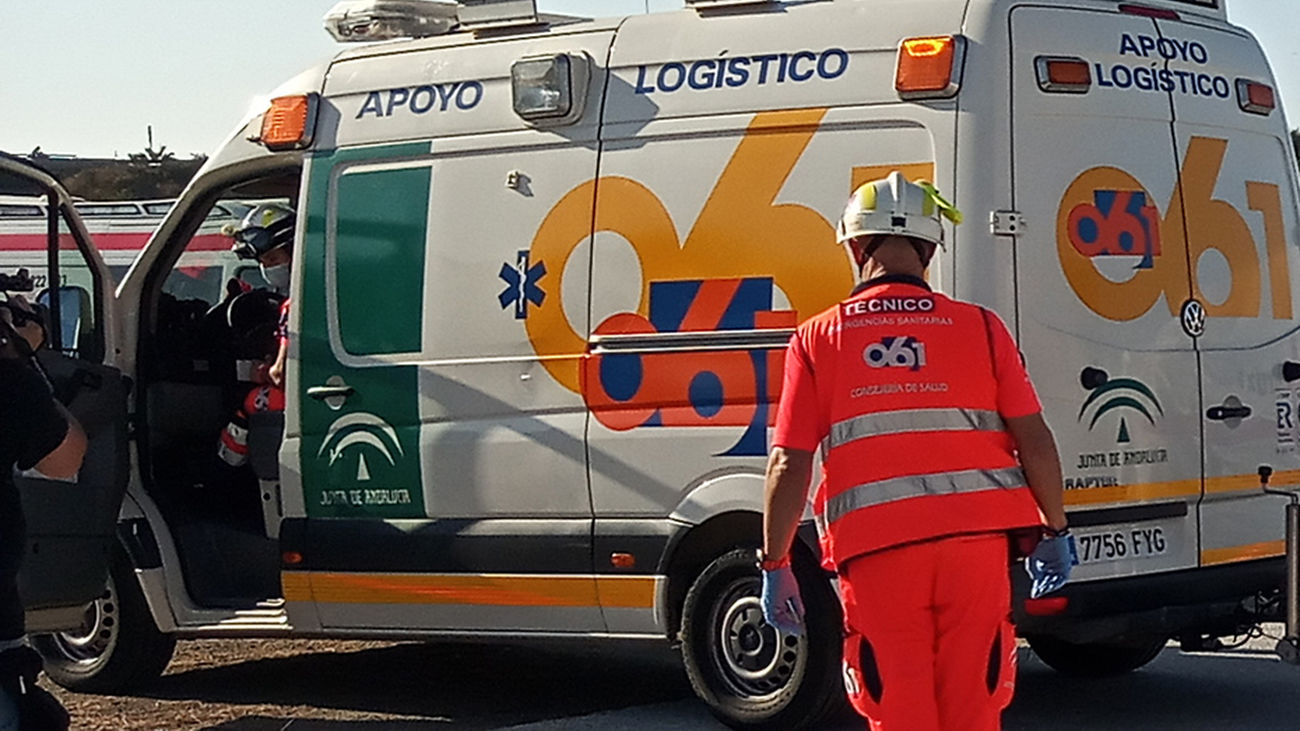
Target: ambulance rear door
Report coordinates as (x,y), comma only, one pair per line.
(1239,216)
(1100,283)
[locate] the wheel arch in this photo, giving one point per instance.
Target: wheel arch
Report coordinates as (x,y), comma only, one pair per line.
(696,546)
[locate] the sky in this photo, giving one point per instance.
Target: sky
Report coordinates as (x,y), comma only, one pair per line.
(87,77)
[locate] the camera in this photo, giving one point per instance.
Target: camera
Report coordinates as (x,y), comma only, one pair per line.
(20,281)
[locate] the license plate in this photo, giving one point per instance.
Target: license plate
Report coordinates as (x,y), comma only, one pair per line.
(1121,544)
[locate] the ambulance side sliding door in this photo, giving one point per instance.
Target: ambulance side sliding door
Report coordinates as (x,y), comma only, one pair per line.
(442,452)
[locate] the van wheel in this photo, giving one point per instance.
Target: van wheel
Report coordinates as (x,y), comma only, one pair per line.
(1097,659)
(752,676)
(118,647)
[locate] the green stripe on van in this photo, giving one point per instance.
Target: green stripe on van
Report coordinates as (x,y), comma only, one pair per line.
(363,459)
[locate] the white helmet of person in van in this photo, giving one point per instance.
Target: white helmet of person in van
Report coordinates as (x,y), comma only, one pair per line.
(894,206)
(266,234)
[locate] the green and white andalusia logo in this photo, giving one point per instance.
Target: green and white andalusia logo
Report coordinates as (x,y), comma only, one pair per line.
(361,433)
(1122,395)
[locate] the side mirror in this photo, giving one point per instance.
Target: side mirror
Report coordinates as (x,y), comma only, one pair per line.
(74,305)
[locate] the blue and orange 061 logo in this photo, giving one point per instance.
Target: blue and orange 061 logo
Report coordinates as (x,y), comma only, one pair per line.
(742,252)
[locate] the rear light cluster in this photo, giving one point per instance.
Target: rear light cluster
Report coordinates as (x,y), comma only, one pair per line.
(1072,75)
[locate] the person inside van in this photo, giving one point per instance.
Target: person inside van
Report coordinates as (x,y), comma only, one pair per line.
(266,235)
(36,433)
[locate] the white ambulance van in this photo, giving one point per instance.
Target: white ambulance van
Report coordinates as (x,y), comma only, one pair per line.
(545,272)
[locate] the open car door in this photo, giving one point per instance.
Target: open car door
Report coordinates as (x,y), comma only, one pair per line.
(70,527)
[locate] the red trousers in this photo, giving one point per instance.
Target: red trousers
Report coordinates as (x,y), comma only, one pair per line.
(929,644)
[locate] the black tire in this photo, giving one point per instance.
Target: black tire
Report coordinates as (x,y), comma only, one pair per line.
(1097,659)
(118,649)
(769,680)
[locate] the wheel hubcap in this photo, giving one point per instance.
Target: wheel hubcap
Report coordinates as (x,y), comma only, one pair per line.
(97,632)
(754,658)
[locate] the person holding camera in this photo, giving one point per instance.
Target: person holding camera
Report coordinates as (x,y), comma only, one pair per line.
(36,433)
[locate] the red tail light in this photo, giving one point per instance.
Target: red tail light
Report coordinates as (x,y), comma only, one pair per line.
(1149,12)
(1255,97)
(1047,607)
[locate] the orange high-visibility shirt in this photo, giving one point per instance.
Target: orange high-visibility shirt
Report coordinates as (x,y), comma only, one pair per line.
(906,392)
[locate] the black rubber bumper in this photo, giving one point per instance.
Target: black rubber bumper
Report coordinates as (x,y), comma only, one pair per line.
(1203,599)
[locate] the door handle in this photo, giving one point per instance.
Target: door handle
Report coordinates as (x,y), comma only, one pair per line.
(320,393)
(1291,371)
(1224,413)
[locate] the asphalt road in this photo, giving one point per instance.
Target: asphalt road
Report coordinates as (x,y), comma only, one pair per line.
(548,688)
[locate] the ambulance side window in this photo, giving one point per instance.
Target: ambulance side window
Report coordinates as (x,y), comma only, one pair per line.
(378,255)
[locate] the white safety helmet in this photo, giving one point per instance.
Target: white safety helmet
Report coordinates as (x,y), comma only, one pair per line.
(893,206)
(265,228)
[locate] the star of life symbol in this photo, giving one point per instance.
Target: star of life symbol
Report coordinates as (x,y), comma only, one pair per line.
(521,280)
(359,429)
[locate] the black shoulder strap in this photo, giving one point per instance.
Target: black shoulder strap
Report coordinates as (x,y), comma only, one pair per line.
(988,337)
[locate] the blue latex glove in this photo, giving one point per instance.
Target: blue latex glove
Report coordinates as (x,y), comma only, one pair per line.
(1049,565)
(782,605)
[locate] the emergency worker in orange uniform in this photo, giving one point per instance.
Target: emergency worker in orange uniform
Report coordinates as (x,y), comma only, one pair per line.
(933,449)
(266,235)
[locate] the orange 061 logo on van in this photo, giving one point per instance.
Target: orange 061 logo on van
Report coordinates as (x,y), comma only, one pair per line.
(1106,212)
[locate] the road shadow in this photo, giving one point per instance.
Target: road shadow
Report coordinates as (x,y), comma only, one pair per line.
(436,685)
(1243,689)
(270,723)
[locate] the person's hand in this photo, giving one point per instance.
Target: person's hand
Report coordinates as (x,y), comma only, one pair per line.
(30,327)
(1050,564)
(275,373)
(782,605)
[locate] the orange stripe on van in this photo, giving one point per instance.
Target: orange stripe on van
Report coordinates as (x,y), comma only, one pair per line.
(296,586)
(628,592)
(1267,549)
(1178,488)
(1238,483)
(1133,493)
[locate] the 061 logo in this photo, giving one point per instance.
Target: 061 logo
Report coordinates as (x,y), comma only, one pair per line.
(896,352)
(1107,213)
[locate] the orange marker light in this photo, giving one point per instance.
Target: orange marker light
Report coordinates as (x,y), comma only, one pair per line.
(929,68)
(622,560)
(291,558)
(290,122)
(1063,74)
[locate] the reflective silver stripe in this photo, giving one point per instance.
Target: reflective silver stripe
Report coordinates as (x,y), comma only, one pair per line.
(870,494)
(911,420)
